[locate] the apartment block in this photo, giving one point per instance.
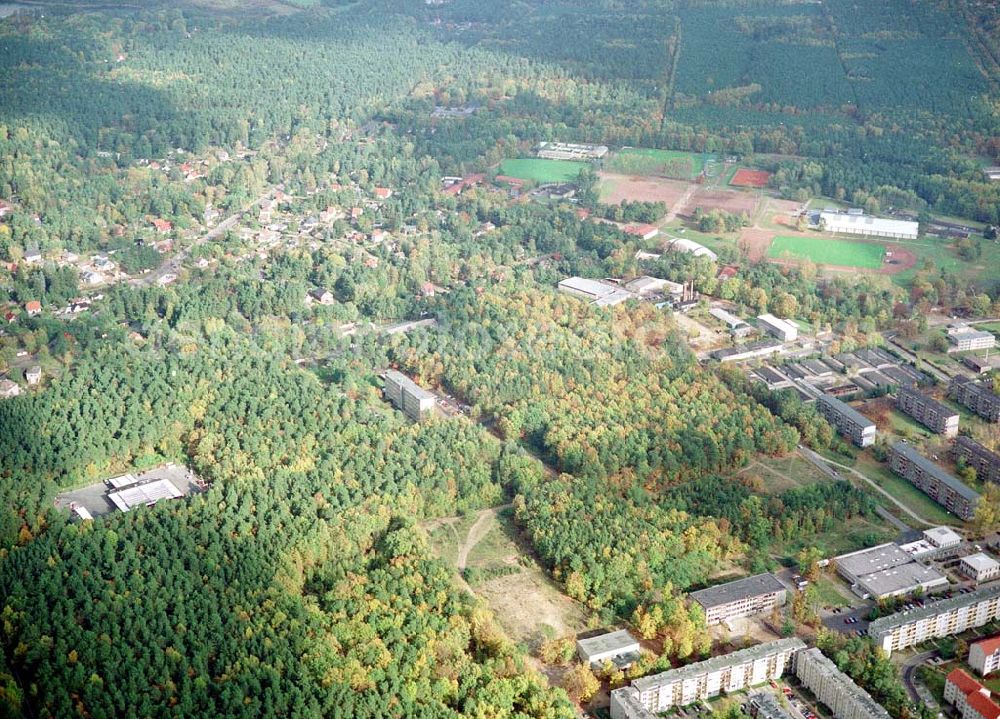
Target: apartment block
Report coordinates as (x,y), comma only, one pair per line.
(985,462)
(722,674)
(933,481)
(984,656)
(848,421)
(965,338)
(978,397)
(844,698)
(970,698)
(928,411)
(942,618)
(741,598)
(407,395)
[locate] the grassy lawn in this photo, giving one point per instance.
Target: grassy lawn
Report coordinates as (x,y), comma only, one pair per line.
(944,257)
(854,533)
(993,327)
(543,171)
(925,507)
(665,163)
(829,594)
(784,473)
(825,251)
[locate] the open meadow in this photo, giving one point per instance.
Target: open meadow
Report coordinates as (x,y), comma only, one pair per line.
(542,171)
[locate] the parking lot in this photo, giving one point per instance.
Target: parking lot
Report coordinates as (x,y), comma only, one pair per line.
(94,497)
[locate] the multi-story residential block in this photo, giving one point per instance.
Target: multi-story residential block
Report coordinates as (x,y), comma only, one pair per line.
(937,484)
(969,697)
(985,462)
(619,647)
(942,618)
(928,411)
(407,395)
(981,567)
(834,688)
(978,397)
(723,674)
(984,656)
(741,598)
(848,421)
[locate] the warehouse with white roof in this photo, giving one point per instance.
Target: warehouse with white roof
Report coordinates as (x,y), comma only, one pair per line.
(857,223)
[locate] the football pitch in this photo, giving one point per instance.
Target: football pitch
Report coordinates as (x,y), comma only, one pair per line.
(826,251)
(544,171)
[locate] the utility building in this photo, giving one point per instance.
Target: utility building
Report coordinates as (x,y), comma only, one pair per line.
(848,421)
(620,648)
(929,412)
(407,395)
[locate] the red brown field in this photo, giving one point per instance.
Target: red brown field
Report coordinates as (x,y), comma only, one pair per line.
(726,200)
(750,178)
(617,188)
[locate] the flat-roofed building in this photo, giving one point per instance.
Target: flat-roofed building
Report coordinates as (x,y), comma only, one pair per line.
(899,581)
(855,565)
(980,566)
(978,397)
(984,656)
(756,350)
(645,286)
(935,542)
(985,462)
(928,411)
(941,618)
(571,151)
(738,328)
(618,647)
(765,705)
(407,395)
(965,338)
(844,698)
(627,704)
(933,481)
(970,698)
(848,421)
(146,494)
(726,673)
(601,294)
(857,223)
(782,329)
(943,537)
(741,598)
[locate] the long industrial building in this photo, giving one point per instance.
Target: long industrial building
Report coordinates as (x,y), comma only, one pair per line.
(942,618)
(856,223)
(845,699)
(695,682)
(928,411)
(978,397)
(407,395)
(933,481)
(598,293)
(740,598)
(985,462)
(886,571)
(782,329)
(848,421)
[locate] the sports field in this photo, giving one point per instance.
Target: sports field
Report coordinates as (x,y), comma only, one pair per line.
(664,163)
(538,170)
(825,251)
(745,177)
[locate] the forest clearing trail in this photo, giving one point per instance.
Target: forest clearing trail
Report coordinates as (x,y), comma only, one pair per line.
(483,524)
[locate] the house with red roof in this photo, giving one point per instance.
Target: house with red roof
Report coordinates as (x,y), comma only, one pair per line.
(33,307)
(969,697)
(646,232)
(728,272)
(984,656)
(383,193)
(162,226)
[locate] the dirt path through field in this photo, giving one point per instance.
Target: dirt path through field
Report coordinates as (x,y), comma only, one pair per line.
(679,206)
(483,524)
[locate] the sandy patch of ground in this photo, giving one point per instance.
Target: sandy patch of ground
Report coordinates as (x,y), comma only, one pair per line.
(617,188)
(727,200)
(527,601)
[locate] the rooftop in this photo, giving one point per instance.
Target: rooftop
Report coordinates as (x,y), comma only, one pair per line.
(904,578)
(941,409)
(846,410)
(868,223)
(943,536)
(722,661)
(144,494)
(932,609)
(620,641)
(778,323)
(739,589)
(911,454)
(408,384)
(988,646)
(981,562)
(873,559)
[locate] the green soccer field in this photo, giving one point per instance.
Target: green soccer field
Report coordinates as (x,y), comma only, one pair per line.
(537,170)
(667,163)
(826,251)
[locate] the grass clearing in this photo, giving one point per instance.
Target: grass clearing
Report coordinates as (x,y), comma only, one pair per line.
(665,163)
(851,534)
(904,492)
(830,594)
(827,251)
(780,474)
(542,171)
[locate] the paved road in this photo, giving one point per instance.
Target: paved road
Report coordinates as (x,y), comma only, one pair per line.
(917,362)
(173,264)
(918,692)
(823,463)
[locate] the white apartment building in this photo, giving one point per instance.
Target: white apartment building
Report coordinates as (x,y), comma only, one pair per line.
(719,675)
(984,656)
(942,618)
(834,688)
(981,567)
(740,598)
